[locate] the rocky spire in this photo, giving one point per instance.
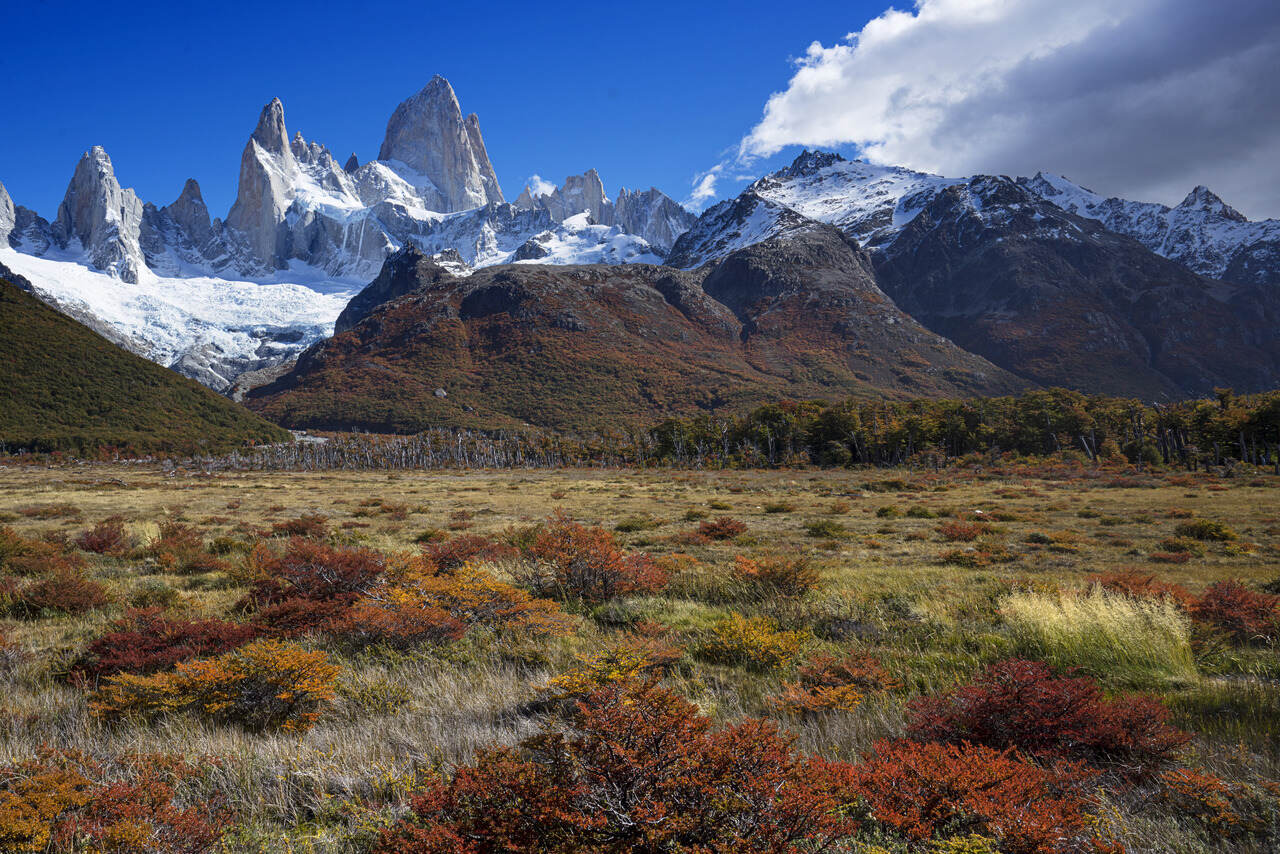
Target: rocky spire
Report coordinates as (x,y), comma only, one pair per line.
(1204,199)
(267,176)
(189,211)
(428,134)
(103,217)
(352,164)
(7,216)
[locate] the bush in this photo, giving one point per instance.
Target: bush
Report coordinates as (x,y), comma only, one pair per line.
(1205,529)
(474,597)
(586,563)
(639,770)
(722,528)
(828,529)
(1137,584)
(311,570)
(778,574)
(65,801)
(298,617)
(1246,615)
(635,658)
(1105,634)
(63,592)
(108,537)
(263,685)
(447,556)
(921,791)
(1232,809)
(828,683)
(1023,705)
(751,642)
(401,622)
(23,557)
(180,548)
(309,525)
(962,532)
(976,557)
(147,641)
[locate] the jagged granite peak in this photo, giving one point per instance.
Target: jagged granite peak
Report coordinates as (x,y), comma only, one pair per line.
(104,218)
(650,214)
(270,132)
(1204,200)
(8,215)
(429,136)
(190,212)
(352,164)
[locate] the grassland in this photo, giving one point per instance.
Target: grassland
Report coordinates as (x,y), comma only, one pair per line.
(900,579)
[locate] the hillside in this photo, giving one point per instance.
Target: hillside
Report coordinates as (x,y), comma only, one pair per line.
(66,388)
(595,347)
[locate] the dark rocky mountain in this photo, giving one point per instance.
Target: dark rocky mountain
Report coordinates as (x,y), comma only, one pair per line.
(1058,299)
(594,347)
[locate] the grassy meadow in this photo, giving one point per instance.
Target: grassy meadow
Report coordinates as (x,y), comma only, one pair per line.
(932,576)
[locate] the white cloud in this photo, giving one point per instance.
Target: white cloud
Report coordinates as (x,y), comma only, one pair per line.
(704,188)
(540,186)
(1144,98)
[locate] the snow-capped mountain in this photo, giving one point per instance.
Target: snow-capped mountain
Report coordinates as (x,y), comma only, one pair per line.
(1203,233)
(650,214)
(217,298)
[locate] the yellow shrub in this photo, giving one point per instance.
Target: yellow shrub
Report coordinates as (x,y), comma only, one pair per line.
(266,684)
(752,642)
(477,598)
(29,807)
(638,658)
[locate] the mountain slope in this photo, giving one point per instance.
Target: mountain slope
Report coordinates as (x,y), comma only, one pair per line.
(1062,301)
(605,347)
(67,388)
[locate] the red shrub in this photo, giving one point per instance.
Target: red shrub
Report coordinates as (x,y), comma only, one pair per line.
(449,555)
(399,625)
(723,528)
(920,791)
(108,537)
(311,570)
(310,525)
(1023,705)
(65,801)
(640,770)
(147,642)
(298,616)
(1247,615)
(961,532)
(1137,584)
(20,556)
(62,592)
(586,563)
(180,548)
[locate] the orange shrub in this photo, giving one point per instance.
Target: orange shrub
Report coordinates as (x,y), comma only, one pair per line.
(401,622)
(312,570)
(263,685)
(586,563)
(921,791)
(309,525)
(474,597)
(23,557)
(640,770)
(180,548)
(828,683)
(65,801)
(1231,809)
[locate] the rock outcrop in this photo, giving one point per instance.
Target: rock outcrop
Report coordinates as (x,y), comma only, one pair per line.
(8,216)
(102,217)
(428,134)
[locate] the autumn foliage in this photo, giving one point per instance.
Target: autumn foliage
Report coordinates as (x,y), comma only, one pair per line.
(1023,705)
(639,770)
(65,801)
(452,553)
(581,562)
(149,641)
(828,683)
(1246,615)
(266,684)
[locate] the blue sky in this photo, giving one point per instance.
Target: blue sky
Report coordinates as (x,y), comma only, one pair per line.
(648,94)
(1139,98)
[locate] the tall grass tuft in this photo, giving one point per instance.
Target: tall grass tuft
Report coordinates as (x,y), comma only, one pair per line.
(1113,637)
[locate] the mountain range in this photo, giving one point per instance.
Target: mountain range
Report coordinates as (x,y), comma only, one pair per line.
(407,291)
